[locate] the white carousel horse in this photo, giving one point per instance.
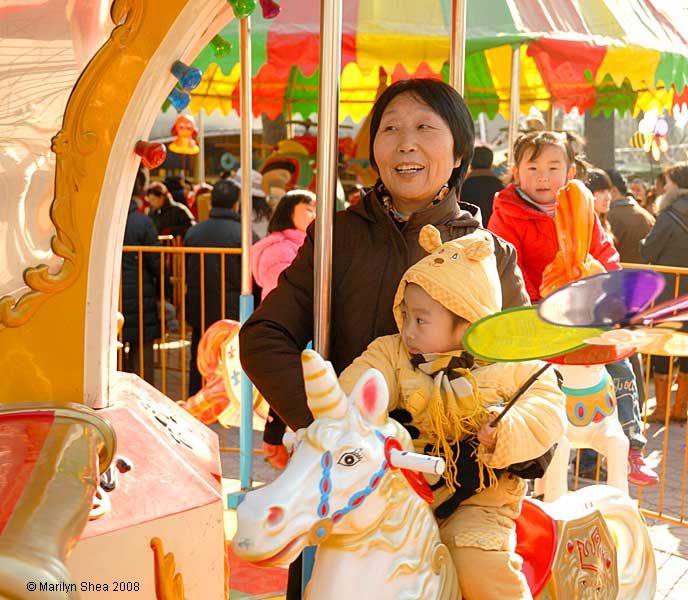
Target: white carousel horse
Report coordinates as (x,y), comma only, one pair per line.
(593,422)
(377,538)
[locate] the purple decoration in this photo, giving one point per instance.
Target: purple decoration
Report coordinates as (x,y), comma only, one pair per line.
(602,300)
(675,309)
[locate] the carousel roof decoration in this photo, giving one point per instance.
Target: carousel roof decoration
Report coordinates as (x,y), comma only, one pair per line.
(651,135)
(152,154)
(597,55)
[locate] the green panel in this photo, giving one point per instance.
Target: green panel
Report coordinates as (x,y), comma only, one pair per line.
(302,93)
(230,32)
(610,97)
(672,68)
(478,86)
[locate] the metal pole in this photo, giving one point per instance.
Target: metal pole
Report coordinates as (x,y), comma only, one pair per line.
(457,52)
(515,101)
(330,62)
(201,146)
(246,299)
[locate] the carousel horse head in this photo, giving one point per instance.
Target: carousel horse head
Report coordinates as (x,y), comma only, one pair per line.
(338,478)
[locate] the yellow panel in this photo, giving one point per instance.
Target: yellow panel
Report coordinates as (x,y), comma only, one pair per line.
(377,43)
(358,92)
(215,90)
(533,89)
(499,62)
(636,64)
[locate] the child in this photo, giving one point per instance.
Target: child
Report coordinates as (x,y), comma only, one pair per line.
(447,402)
(523,212)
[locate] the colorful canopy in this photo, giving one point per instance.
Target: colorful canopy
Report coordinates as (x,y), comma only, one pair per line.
(591,54)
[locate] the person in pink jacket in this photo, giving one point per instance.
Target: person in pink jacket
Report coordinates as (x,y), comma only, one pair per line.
(270,256)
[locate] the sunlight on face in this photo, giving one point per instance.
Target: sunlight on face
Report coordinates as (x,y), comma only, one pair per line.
(303,214)
(602,200)
(428,326)
(541,177)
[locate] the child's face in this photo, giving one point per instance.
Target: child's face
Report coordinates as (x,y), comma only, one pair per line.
(602,200)
(541,177)
(428,326)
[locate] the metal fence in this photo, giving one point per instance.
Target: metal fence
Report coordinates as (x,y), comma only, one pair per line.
(667,443)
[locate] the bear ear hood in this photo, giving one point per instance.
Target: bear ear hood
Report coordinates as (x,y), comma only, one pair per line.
(460,274)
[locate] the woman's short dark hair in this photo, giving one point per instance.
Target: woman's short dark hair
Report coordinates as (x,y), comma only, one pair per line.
(159,189)
(598,180)
(447,103)
(281,218)
(678,173)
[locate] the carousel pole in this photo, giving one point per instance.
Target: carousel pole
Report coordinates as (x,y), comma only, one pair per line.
(246,298)
(514,101)
(326,160)
(201,146)
(457,52)
(326,189)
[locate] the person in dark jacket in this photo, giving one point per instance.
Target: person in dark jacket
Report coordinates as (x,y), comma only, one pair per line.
(667,244)
(139,231)
(481,182)
(421,143)
(170,217)
(222,229)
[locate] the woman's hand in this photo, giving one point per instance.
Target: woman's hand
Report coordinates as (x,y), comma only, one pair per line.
(487,435)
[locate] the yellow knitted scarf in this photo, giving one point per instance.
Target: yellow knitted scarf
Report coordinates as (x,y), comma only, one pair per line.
(455,410)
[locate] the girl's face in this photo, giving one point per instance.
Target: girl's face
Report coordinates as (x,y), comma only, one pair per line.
(428,326)
(303,214)
(414,152)
(602,201)
(541,177)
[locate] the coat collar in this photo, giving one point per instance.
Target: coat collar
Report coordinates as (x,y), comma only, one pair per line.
(220,212)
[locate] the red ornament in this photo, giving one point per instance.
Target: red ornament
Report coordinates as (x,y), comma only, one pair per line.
(270,9)
(152,154)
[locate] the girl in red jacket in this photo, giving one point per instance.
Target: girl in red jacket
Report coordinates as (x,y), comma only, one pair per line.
(523,212)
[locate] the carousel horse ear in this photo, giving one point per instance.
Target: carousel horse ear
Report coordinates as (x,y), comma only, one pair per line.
(371,397)
(429,238)
(325,397)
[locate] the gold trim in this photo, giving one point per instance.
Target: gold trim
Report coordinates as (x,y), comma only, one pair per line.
(168,584)
(76,140)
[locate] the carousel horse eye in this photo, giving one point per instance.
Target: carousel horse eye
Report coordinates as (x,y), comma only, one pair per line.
(349,459)
(455,256)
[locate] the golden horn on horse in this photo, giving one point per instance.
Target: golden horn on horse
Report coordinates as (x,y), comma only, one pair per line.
(325,397)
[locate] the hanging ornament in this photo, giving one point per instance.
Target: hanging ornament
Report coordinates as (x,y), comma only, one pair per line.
(188,77)
(654,129)
(221,47)
(152,154)
(242,8)
(179,99)
(270,9)
(185,130)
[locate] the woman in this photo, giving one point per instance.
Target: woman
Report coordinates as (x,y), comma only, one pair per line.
(667,244)
(271,255)
(598,182)
(170,217)
(421,143)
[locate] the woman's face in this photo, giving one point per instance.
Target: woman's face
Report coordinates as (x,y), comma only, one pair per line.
(602,200)
(303,214)
(414,151)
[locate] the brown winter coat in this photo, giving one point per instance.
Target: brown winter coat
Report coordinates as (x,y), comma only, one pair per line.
(370,254)
(630,223)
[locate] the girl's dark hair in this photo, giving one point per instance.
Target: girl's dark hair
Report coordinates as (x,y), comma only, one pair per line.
(447,103)
(261,208)
(678,173)
(281,218)
(159,189)
(537,140)
(598,180)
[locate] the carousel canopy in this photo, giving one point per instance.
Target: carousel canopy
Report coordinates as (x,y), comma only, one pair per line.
(597,55)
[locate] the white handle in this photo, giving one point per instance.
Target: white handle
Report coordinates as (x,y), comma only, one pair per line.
(417,462)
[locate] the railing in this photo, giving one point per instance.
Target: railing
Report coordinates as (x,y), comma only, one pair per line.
(173,344)
(666,500)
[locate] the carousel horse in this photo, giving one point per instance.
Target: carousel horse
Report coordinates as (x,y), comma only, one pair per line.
(592,423)
(590,397)
(376,535)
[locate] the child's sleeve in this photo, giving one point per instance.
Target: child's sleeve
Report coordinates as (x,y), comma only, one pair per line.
(535,422)
(381,354)
(602,248)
